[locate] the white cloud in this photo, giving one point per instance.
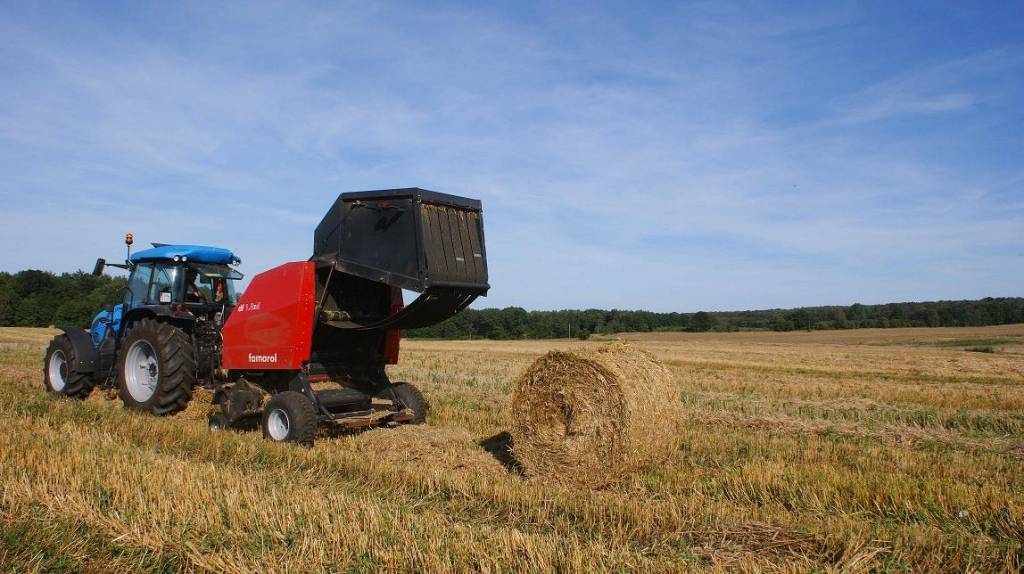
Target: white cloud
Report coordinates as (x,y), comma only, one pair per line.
(948,86)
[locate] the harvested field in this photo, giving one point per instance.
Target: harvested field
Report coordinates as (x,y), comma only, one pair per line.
(885,450)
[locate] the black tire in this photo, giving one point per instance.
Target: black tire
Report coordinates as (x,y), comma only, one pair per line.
(411,398)
(175,359)
(297,415)
(62,379)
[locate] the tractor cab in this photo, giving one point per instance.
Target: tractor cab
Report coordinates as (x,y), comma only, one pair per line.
(194,285)
(190,275)
(182,282)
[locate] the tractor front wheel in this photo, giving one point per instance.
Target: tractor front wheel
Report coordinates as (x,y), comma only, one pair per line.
(290,417)
(156,368)
(59,374)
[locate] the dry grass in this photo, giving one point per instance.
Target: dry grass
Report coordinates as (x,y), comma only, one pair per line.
(853,451)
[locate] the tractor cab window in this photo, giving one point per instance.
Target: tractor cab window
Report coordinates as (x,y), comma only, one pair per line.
(164,286)
(194,292)
(138,283)
(223,292)
(210,284)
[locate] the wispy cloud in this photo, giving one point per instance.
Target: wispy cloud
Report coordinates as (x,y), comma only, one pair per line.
(956,85)
(695,157)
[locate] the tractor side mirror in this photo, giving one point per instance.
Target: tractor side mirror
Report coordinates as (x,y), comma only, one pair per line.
(98,269)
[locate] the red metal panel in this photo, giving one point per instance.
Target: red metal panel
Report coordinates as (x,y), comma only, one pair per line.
(394,336)
(391,344)
(272,325)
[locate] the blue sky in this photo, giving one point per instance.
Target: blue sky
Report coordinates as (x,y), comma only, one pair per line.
(676,156)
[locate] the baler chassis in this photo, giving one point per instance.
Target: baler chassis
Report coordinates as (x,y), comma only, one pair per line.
(241,403)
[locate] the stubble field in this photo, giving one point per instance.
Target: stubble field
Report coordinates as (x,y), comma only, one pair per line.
(887,450)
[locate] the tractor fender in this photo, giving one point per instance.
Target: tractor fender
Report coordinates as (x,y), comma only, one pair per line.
(85,354)
(158,312)
(133,316)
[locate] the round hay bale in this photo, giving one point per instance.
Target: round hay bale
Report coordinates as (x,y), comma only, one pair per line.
(590,416)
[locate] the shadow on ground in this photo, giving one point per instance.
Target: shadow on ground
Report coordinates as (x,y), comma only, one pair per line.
(500,447)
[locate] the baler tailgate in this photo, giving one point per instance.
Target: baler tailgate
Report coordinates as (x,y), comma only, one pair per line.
(423,241)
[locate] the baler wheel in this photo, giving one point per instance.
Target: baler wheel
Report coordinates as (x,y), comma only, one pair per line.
(59,376)
(218,422)
(411,398)
(290,417)
(156,368)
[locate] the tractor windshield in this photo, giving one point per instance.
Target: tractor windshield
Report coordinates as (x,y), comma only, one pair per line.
(211,284)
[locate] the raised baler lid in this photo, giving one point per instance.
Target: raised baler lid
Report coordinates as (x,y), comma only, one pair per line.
(426,195)
(410,238)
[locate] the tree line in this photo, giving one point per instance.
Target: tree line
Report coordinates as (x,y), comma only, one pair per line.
(517,323)
(35,298)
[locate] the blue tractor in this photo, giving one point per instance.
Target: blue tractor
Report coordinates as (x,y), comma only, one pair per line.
(162,340)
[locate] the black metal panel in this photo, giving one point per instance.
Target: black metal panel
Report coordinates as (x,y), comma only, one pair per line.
(409,238)
(454,245)
(378,241)
(415,192)
(107,355)
(434,306)
(81,342)
(342,397)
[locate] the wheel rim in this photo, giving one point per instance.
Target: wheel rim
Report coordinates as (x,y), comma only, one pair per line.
(142,371)
(58,370)
(278,424)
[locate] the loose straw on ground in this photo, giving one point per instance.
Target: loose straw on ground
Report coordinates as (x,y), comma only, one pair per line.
(201,405)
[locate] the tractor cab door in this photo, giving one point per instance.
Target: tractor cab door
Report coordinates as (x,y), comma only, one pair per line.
(165,288)
(153,283)
(138,285)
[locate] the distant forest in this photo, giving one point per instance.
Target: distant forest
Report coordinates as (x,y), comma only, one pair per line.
(39,298)
(517,323)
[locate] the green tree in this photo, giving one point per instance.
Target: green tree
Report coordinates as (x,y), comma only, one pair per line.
(779,323)
(703,321)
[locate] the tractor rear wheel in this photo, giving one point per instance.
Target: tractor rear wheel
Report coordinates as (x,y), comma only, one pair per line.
(59,376)
(156,368)
(411,398)
(290,417)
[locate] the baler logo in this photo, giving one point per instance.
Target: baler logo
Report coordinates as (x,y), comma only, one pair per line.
(262,358)
(249,307)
